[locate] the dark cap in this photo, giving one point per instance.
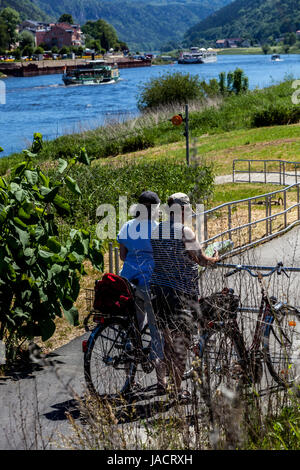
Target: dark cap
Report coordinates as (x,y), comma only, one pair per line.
(148,197)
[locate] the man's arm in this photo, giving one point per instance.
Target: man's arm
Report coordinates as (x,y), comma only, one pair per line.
(194,251)
(123,252)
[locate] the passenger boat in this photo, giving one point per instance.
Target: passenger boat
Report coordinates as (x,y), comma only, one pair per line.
(95,72)
(197,56)
(276,58)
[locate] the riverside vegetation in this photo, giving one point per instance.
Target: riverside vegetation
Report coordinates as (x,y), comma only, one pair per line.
(45,242)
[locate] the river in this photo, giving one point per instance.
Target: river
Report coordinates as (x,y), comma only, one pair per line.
(44,104)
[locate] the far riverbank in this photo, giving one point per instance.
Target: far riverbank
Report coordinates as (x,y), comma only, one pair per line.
(52,67)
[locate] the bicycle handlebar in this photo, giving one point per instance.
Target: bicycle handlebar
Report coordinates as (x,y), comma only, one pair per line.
(279,268)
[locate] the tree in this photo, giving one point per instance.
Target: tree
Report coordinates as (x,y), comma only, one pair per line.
(39,50)
(170,88)
(11,18)
(28,51)
(64,50)
(102,31)
(26,39)
(265,48)
(66,18)
(4,36)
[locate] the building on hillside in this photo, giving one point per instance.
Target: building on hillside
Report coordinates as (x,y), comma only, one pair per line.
(59,35)
(222,43)
(234,42)
(32,27)
(298,33)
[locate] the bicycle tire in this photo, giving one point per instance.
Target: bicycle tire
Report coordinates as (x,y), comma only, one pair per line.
(109,370)
(220,364)
(282,346)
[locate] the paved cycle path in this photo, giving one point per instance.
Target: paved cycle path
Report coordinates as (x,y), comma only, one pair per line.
(33,405)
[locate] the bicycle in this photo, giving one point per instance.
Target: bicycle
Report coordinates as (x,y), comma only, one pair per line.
(116,354)
(226,361)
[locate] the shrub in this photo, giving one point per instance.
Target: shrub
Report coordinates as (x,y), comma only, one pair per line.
(276,114)
(39,276)
(170,88)
(105,183)
(137,142)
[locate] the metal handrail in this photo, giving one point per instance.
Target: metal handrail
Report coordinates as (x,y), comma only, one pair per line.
(268,219)
(281,172)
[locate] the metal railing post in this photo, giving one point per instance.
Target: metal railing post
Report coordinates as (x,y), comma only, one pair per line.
(283,164)
(249,222)
(249,170)
(117,268)
(284,207)
(270,215)
(229,221)
(267,213)
(205,227)
(233,170)
(265,170)
(110,257)
(298,201)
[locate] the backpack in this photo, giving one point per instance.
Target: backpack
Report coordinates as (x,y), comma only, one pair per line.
(113,295)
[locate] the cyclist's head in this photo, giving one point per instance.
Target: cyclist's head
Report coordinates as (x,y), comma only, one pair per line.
(148,205)
(180,202)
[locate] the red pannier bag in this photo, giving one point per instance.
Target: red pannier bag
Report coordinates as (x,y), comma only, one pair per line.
(113,295)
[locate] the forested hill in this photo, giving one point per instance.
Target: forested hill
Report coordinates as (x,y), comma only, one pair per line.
(26,9)
(261,20)
(142,24)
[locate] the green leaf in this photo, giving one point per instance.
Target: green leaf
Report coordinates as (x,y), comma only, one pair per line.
(32,176)
(72,316)
(62,165)
(23,236)
(49,194)
(62,204)
(53,245)
(83,157)
(47,328)
(3,183)
(3,216)
(45,254)
(72,185)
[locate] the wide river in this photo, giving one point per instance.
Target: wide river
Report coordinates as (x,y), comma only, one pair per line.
(44,104)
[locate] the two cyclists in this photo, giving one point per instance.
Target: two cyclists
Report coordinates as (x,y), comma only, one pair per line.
(171,254)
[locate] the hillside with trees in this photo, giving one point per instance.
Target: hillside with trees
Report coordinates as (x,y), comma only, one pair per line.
(27,9)
(144,25)
(262,21)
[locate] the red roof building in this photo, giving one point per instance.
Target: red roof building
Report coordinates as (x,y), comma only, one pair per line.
(59,35)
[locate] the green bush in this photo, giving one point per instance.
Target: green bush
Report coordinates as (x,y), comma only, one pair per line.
(39,276)
(105,183)
(276,114)
(137,142)
(169,88)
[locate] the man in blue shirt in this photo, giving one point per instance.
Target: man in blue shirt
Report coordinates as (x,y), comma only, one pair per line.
(136,252)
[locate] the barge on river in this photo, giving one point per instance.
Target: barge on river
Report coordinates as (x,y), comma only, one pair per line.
(95,72)
(198,56)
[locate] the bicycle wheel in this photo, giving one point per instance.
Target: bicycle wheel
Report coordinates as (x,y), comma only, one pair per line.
(109,367)
(219,367)
(282,346)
